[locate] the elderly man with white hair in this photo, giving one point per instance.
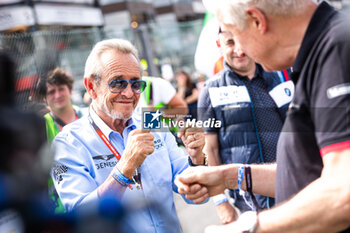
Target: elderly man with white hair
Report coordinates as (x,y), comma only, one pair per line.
(311,182)
(108,153)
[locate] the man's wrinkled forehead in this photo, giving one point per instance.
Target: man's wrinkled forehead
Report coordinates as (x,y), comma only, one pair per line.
(225,34)
(120,64)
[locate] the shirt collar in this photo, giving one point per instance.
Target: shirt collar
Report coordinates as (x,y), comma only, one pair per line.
(106,130)
(317,24)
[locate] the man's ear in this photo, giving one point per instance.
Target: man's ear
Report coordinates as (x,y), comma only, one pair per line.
(256,19)
(90,86)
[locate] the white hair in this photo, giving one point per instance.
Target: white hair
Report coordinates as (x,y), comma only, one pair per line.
(93,65)
(232,12)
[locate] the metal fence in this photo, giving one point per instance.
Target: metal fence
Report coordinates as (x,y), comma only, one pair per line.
(38,52)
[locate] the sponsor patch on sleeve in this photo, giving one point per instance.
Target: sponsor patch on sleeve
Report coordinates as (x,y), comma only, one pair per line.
(283,93)
(58,170)
(339,90)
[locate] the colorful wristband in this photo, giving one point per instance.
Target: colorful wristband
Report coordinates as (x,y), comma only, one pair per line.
(219,199)
(240,178)
(118,176)
(249,182)
(220,202)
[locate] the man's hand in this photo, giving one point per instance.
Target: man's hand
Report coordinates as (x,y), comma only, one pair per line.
(140,144)
(226,212)
(194,141)
(209,181)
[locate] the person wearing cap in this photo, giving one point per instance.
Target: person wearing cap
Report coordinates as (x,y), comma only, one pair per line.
(311,179)
(251,104)
(109,154)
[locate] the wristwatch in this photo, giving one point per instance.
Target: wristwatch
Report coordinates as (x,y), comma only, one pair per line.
(194,165)
(248,222)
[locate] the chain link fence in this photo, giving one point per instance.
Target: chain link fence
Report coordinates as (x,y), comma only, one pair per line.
(39,52)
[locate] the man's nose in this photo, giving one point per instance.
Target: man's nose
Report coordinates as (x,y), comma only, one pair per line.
(57,94)
(238,49)
(128,92)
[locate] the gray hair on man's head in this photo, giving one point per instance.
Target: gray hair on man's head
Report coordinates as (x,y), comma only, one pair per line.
(93,65)
(232,12)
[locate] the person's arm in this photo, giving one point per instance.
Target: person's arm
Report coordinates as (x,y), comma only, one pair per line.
(71,174)
(193,97)
(181,87)
(216,179)
(211,148)
(110,185)
(263,179)
(225,210)
(323,206)
(194,141)
(181,92)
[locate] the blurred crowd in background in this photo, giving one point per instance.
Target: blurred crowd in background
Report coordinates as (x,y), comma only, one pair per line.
(168,44)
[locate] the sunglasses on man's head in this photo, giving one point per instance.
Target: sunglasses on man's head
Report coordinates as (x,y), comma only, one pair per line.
(119,85)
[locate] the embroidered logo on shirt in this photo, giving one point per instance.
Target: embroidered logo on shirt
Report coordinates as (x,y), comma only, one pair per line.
(58,170)
(158,144)
(283,93)
(342,89)
(106,163)
(103,157)
(288,91)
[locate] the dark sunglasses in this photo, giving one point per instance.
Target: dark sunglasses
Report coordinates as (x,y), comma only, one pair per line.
(119,85)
